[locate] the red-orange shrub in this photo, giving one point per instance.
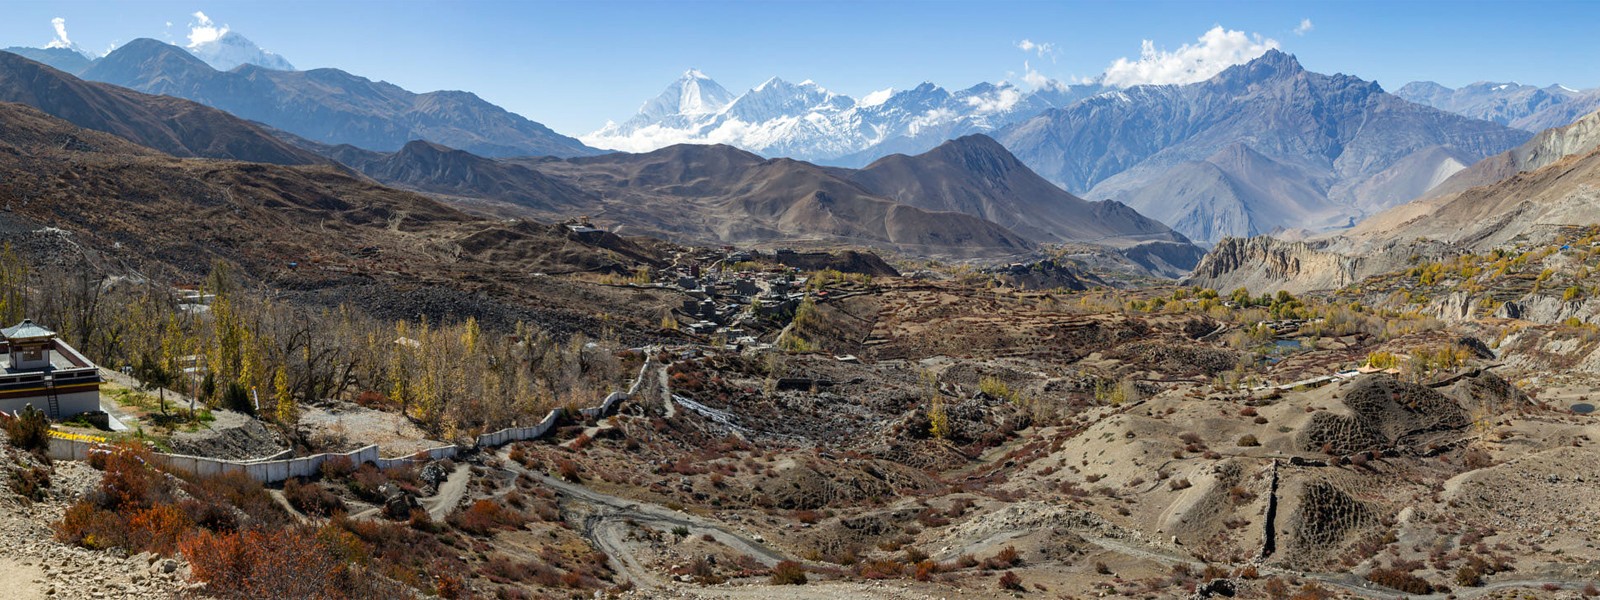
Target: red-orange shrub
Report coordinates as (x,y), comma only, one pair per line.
(283,563)
(158,529)
(485,517)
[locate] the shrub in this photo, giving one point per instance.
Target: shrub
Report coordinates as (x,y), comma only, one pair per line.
(568,470)
(86,525)
(337,468)
(485,517)
(282,563)
(788,573)
(157,529)
(29,430)
(31,484)
(1010,581)
(1477,458)
(1469,577)
(128,482)
(1179,484)
(1007,557)
(311,498)
(880,569)
(1397,579)
(1248,440)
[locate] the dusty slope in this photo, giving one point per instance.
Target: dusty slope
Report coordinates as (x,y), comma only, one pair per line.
(319,233)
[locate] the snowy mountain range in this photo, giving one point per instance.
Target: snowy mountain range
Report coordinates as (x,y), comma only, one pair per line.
(806,121)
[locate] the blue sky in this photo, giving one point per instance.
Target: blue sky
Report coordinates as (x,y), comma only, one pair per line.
(574,65)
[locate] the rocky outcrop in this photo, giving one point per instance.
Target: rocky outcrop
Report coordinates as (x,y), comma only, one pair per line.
(1265,264)
(1549,310)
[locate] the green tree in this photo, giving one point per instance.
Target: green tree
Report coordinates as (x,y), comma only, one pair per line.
(288,413)
(153,374)
(13,286)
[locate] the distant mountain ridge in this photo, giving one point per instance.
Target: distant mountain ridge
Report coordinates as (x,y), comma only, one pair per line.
(1512,104)
(65,60)
(330,106)
(1260,146)
(967,198)
(172,125)
(808,122)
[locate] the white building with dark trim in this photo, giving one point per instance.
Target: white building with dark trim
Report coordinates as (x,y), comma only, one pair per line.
(42,370)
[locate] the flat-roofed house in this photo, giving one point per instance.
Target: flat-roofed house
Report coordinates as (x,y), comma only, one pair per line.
(41,370)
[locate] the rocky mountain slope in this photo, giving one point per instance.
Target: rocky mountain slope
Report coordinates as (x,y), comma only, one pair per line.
(977,176)
(1469,213)
(1532,205)
(1262,145)
(808,122)
(331,106)
(175,126)
(1544,149)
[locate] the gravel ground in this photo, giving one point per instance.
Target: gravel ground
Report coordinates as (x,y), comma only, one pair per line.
(34,565)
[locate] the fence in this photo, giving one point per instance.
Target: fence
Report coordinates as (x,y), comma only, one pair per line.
(274,469)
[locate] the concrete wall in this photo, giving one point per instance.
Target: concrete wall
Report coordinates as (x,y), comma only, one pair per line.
(279,469)
(71,404)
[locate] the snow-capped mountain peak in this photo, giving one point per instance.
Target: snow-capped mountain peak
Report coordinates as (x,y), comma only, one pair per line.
(694,93)
(230,50)
(876,98)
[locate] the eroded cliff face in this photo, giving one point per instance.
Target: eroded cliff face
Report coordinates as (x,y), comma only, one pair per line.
(1267,264)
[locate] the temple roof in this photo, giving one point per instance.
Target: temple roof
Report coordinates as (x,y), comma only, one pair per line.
(26,330)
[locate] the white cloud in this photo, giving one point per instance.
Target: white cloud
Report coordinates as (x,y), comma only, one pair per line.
(1040,81)
(1043,49)
(61,40)
(1216,50)
(1304,28)
(203,30)
(1033,78)
(1000,100)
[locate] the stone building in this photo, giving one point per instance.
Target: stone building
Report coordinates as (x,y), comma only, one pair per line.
(40,369)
